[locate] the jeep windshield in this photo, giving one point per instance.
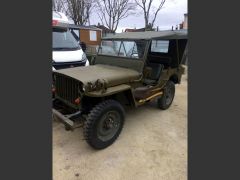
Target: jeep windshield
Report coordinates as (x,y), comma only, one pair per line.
(63,40)
(122,48)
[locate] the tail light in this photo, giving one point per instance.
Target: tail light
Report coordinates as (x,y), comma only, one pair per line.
(53,89)
(54,22)
(77,101)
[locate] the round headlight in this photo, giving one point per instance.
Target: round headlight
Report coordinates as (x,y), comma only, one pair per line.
(84,57)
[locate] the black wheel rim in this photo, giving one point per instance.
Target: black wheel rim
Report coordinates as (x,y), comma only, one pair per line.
(108,125)
(169,95)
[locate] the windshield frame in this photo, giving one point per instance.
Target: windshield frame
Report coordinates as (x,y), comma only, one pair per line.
(144,49)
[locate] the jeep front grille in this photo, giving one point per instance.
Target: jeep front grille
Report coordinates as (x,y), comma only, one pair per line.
(66,88)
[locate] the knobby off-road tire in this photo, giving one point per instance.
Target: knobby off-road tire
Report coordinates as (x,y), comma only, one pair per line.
(104,124)
(166,100)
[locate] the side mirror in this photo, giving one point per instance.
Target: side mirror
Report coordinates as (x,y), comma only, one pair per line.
(83,45)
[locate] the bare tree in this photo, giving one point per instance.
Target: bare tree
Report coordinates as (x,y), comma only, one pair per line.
(111,12)
(79,10)
(149,10)
(58,5)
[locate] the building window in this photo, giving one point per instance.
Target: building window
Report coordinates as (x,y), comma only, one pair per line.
(93,35)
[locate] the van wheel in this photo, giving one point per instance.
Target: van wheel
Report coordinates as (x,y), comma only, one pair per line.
(104,124)
(166,100)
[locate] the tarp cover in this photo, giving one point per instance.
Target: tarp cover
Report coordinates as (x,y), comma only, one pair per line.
(176,34)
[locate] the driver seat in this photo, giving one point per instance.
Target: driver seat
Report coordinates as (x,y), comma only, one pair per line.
(155,73)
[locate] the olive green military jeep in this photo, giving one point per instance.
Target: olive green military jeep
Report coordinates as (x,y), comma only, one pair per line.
(130,69)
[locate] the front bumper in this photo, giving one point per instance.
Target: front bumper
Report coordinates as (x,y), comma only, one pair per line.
(67,122)
(71,121)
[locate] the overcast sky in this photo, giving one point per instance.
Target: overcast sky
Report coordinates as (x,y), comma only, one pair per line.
(171,15)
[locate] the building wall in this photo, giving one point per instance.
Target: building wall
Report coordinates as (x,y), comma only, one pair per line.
(85,37)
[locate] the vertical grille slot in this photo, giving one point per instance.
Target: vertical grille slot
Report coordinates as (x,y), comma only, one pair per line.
(66,88)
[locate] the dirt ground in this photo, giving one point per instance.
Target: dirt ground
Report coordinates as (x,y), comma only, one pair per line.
(151,146)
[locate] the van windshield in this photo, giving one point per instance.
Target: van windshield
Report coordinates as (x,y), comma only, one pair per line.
(63,40)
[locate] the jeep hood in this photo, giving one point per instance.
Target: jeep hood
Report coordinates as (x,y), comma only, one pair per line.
(112,75)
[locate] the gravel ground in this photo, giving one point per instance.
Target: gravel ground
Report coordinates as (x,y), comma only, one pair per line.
(151,146)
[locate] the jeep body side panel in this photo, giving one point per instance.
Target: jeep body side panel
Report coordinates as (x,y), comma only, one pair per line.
(164,77)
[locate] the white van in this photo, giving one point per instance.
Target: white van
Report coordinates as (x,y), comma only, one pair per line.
(66,50)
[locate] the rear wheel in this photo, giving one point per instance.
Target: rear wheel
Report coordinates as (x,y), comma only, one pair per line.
(104,124)
(166,100)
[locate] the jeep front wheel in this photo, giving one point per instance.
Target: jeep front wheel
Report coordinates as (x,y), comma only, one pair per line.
(166,100)
(104,124)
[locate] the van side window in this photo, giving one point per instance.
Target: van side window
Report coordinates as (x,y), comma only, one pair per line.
(160,46)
